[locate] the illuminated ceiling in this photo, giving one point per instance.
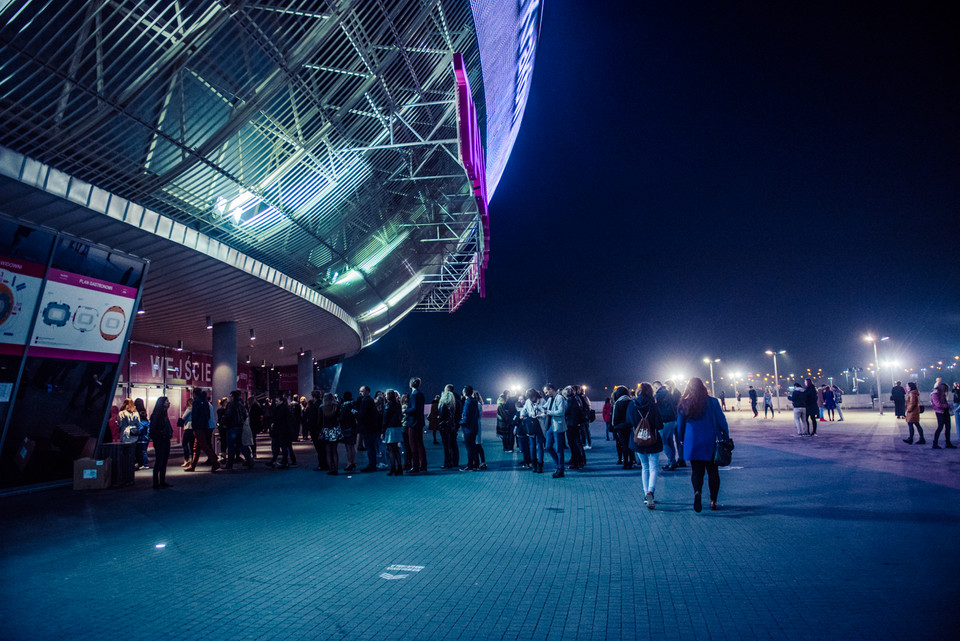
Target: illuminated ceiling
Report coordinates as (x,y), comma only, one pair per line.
(319,138)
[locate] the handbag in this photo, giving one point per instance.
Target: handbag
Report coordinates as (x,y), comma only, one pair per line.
(722,448)
(920,407)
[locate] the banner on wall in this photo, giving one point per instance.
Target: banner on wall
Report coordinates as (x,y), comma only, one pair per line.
(82,318)
(20,285)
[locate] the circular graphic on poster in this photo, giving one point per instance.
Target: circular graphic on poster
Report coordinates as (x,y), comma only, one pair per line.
(6,303)
(56,314)
(112,323)
(85,318)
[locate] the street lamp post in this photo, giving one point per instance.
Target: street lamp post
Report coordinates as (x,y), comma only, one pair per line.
(776,375)
(710,362)
(876,358)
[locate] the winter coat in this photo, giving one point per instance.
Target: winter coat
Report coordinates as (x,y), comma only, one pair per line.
(828,401)
(699,436)
(913,406)
(470,419)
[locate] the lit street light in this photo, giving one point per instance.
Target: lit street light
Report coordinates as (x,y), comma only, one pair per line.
(710,362)
(870,339)
(776,376)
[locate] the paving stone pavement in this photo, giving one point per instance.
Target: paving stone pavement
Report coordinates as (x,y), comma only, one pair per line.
(833,537)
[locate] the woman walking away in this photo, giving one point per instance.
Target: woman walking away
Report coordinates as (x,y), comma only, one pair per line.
(912,414)
(938,398)
(643,415)
(161,431)
(392,433)
(699,420)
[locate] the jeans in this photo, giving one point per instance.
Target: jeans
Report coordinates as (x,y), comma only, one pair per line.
(535,444)
(799,419)
(161,450)
(919,429)
(649,473)
(188,445)
(370,442)
(713,474)
(473,451)
(203,445)
(753,406)
(670,439)
(451,449)
(943,421)
(768,406)
(524,442)
(623,435)
(556,442)
(418,453)
(234,447)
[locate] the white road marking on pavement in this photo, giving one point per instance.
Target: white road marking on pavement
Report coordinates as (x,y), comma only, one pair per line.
(392,577)
(405,568)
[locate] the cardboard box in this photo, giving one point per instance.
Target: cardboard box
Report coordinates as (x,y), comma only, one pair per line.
(91,474)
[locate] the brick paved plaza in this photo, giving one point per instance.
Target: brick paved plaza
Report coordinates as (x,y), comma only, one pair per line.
(849,535)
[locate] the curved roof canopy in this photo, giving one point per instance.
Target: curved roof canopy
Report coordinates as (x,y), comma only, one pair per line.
(319,139)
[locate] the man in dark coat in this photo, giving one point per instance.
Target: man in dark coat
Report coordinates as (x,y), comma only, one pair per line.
(368,425)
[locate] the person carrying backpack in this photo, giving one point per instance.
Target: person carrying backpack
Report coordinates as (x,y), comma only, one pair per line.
(643,416)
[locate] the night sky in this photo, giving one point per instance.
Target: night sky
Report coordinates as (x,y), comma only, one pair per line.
(713,179)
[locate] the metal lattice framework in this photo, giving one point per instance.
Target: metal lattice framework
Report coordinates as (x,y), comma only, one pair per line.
(318,137)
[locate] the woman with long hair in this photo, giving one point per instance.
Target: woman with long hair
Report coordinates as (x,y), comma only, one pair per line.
(330,428)
(912,413)
(392,433)
(699,421)
(348,428)
(129,422)
(143,441)
(938,398)
(479,445)
(161,431)
(447,420)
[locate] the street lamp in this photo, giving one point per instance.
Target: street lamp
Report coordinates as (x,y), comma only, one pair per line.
(876,358)
(776,376)
(710,362)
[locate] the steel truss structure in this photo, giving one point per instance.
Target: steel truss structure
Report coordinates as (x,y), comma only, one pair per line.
(319,137)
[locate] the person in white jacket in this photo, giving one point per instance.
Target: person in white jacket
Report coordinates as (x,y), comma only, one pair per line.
(556,406)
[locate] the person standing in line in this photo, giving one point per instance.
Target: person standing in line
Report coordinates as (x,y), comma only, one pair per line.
(234,416)
(675,395)
(938,399)
(433,418)
(314,424)
(753,401)
(768,403)
(820,403)
(645,406)
(829,402)
(187,439)
(161,431)
(607,415)
(447,420)
(415,420)
(483,458)
(505,420)
(348,430)
(838,399)
(956,404)
(589,416)
(392,430)
(912,414)
(799,400)
(573,420)
(222,430)
(739,396)
(667,410)
(329,419)
(699,419)
(143,440)
(532,417)
(369,424)
(128,422)
(555,410)
(621,428)
(723,399)
(899,397)
(813,407)
(470,424)
(518,427)
(202,431)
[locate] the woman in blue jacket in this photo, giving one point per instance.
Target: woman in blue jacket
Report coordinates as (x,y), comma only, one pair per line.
(699,420)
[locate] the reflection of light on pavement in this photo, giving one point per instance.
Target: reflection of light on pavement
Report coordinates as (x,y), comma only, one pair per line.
(160,546)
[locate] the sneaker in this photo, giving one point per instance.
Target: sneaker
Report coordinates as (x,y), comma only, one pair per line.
(588,447)
(649,500)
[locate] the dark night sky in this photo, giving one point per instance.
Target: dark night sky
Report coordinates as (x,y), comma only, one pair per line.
(719,179)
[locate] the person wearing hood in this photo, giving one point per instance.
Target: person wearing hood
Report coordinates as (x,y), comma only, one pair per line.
(645,407)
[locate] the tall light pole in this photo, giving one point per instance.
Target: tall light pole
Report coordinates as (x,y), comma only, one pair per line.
(876,357)
(710,362)
(776,376)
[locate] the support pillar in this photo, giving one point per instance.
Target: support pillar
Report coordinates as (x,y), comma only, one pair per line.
(224,359)
(305,373)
